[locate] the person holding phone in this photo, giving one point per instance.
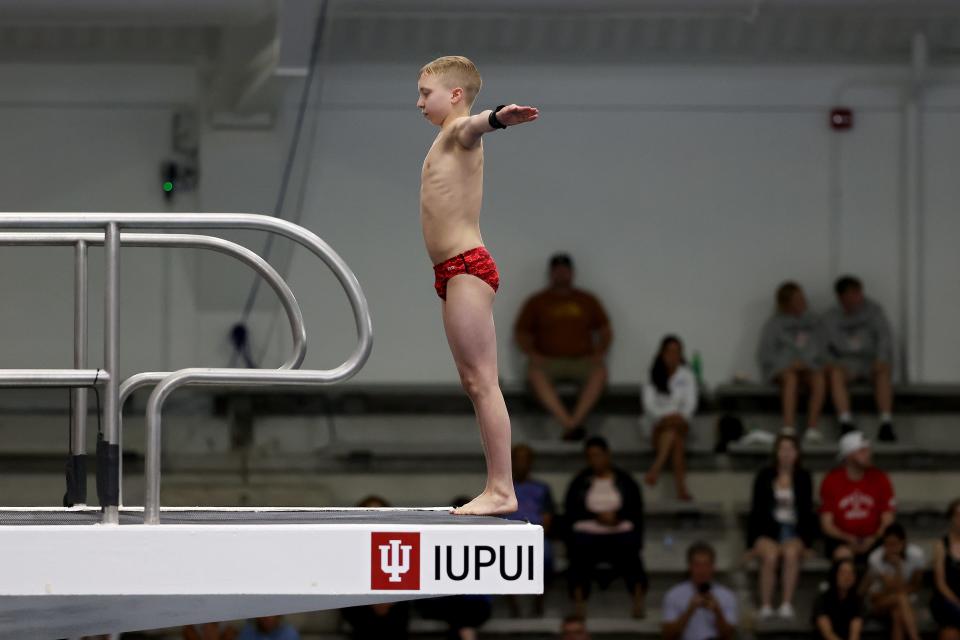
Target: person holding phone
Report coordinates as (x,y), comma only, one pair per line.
(698,608)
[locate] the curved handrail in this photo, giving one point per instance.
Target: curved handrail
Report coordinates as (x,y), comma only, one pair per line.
(228,377)
(173,240)
(184,241)
(249,221)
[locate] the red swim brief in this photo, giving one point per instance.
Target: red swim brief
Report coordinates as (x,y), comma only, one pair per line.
(475,262)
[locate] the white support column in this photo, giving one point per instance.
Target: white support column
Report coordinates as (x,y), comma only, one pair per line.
(912,299)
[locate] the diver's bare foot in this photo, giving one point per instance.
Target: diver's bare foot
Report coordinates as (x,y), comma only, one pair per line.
(684,495)
(650,479)
(489,503)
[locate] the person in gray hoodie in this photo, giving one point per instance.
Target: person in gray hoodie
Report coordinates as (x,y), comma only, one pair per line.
(860,348)
(792,354)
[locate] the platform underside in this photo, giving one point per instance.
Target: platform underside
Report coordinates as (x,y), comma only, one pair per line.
(51,617)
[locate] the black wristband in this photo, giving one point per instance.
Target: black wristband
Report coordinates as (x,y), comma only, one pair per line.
(492,120)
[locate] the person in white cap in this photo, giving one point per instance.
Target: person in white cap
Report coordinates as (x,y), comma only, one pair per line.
(857,501)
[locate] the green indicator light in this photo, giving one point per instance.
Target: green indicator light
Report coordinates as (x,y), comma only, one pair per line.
(168,186)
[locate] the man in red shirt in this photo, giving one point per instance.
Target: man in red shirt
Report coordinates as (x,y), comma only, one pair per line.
(565,333)
(857,503)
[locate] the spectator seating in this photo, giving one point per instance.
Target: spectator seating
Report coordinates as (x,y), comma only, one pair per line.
(335,447)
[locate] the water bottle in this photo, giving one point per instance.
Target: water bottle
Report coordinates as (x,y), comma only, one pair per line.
(696,363)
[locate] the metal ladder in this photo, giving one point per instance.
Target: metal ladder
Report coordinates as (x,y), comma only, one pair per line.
(113,230)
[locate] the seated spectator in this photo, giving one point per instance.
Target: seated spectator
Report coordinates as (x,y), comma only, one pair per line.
(535,505)
(373,502)
(669,402)
(464,615)
(268,628)
(945,604)
(792,355)
(565,333)
(209,631)
(387,620)
(860,349)
(604,507)
(698,608)
(384,621)
(857,503)
(895,572)
(574,627)
(782,524)
(838,611)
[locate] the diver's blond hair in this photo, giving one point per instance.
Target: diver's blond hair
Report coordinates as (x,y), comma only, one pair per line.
(456,71)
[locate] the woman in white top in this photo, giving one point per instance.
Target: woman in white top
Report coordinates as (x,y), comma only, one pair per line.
(669,402)
(894,578)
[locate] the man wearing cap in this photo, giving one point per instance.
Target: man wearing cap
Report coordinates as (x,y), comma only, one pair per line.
(565,334)
(857,502)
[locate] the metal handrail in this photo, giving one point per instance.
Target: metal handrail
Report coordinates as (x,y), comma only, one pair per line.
(183,241)
(113,222)
(53,377)
(167,240)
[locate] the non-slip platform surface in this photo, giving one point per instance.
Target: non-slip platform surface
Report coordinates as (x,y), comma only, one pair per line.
(388,517)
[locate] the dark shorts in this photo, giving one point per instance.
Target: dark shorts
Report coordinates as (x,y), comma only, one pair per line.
(618,553)
(787,532)
(856,369)
(830,545)
(945,613)
(569,369)
(475,262)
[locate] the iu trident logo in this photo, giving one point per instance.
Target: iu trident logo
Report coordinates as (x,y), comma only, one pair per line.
(395,561)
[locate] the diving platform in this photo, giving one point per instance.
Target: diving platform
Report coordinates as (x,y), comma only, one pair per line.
(66,574)
(77,570)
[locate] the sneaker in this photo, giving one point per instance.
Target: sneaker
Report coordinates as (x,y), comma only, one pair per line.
(757,437)
(886,433)
(786,611)
(812,436)
(766,612)
(846,427)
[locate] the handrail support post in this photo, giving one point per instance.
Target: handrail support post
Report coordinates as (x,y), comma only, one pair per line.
(108,458)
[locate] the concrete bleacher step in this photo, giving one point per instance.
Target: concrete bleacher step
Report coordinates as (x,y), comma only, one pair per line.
(802,627)
(613,628)
(437,441)
(417,399)
(918,516)
(909,398)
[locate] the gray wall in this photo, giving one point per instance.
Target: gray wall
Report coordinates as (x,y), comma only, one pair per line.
(685,194)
